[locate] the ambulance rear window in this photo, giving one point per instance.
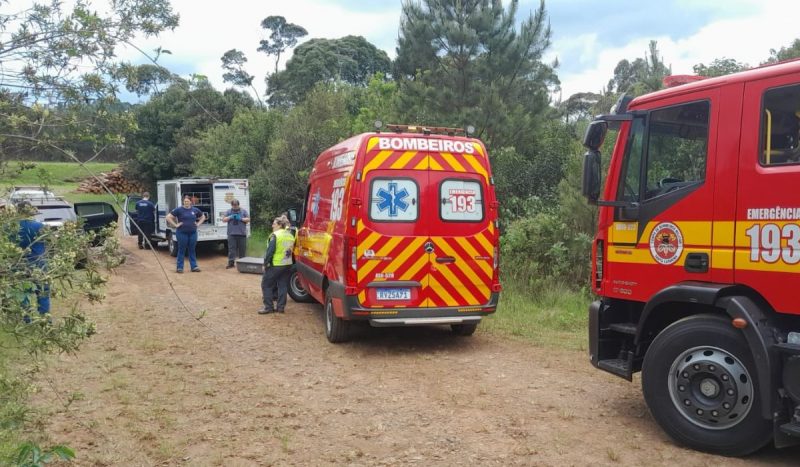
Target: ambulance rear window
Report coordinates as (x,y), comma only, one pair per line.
(461,201)
(394,200)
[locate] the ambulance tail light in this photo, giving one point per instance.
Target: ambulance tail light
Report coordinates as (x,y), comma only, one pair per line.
(598,264)
(350,254)
(496,262)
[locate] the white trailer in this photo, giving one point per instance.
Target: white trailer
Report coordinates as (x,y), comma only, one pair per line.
(211,195)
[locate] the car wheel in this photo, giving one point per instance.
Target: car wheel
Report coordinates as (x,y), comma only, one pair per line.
(336,329)
(297,291)
(464,329)
(701,385)
(172,245)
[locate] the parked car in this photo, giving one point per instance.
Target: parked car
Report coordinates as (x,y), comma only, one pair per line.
(54,211)
(18,193)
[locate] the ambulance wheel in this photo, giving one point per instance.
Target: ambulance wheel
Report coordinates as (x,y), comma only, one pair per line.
(297,291)
(336,329)
(464,329)
(700,383)
(172,245)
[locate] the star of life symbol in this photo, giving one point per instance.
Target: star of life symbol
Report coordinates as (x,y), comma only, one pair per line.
(392,199)
(315,203)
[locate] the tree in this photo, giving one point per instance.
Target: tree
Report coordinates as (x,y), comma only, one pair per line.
(170,123)
(283,36)
(238,149)
(785,53)
(719,67)
(641,76)
(466,62)
(579,106)
(321,120)
(233,63)
(350,59)
(46,52)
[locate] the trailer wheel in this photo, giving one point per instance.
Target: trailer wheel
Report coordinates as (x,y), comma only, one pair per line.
(297,291)
(700,384)
(464,329)
(336,329)
(172,245)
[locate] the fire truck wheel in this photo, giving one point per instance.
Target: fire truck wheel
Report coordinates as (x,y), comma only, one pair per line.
(464,329)
(336,329)
(296,290)
(172,245)
(700,384)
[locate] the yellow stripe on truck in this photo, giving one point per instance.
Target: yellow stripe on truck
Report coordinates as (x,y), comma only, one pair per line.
(403,160)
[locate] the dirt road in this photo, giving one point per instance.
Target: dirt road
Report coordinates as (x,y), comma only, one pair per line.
(156,386)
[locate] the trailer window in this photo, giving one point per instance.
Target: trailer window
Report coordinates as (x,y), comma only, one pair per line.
(677,147)
(393,200)
(460,201)
(780,123)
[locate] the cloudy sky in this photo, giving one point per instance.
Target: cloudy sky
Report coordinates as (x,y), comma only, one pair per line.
(589,36)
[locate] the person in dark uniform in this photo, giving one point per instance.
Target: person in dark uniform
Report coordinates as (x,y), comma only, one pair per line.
(31,240)
(185,219)
(237,219)
(146,219)
(277,267)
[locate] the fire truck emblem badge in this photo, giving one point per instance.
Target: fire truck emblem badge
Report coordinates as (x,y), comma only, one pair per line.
(666,243)
(392,199)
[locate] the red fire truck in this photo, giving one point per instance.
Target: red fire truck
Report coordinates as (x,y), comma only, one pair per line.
(399,228)
(697,256)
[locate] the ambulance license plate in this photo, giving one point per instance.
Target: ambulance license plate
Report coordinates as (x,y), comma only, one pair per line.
(394,293)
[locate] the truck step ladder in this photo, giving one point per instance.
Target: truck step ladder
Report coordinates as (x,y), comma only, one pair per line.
(622,367)
(791,429)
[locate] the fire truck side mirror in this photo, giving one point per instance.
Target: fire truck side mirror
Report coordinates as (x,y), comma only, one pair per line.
(595,134)
(591,176)
(292,215)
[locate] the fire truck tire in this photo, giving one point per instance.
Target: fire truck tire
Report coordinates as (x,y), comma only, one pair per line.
(172,245)
(297,291)
(700,384)
(336,329)
(464,329)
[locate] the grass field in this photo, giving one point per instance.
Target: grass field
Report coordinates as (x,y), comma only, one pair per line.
(62,178)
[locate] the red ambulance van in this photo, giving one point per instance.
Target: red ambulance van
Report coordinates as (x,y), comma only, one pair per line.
(398,229)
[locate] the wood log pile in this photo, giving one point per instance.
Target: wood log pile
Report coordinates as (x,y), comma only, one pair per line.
(115,182)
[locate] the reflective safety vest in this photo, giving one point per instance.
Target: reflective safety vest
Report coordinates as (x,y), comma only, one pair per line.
(284,244)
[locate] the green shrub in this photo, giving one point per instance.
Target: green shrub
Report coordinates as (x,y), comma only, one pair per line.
(542,249)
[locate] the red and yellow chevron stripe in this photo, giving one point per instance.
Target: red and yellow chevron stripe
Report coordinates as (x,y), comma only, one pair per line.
(426,160)
(465,281)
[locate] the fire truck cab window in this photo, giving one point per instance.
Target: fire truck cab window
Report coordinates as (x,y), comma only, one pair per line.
(780,123)
(677,147)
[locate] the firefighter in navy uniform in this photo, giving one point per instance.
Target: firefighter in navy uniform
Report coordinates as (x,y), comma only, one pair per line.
(146,219)
(277,267)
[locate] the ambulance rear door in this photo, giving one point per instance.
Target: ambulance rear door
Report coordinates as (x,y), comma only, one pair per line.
(462,235)
(392,261)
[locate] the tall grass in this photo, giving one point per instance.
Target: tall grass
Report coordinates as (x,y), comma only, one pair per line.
(257,243)
(552,316)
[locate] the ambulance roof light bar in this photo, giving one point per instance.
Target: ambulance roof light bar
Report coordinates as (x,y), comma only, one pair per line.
(427,130)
